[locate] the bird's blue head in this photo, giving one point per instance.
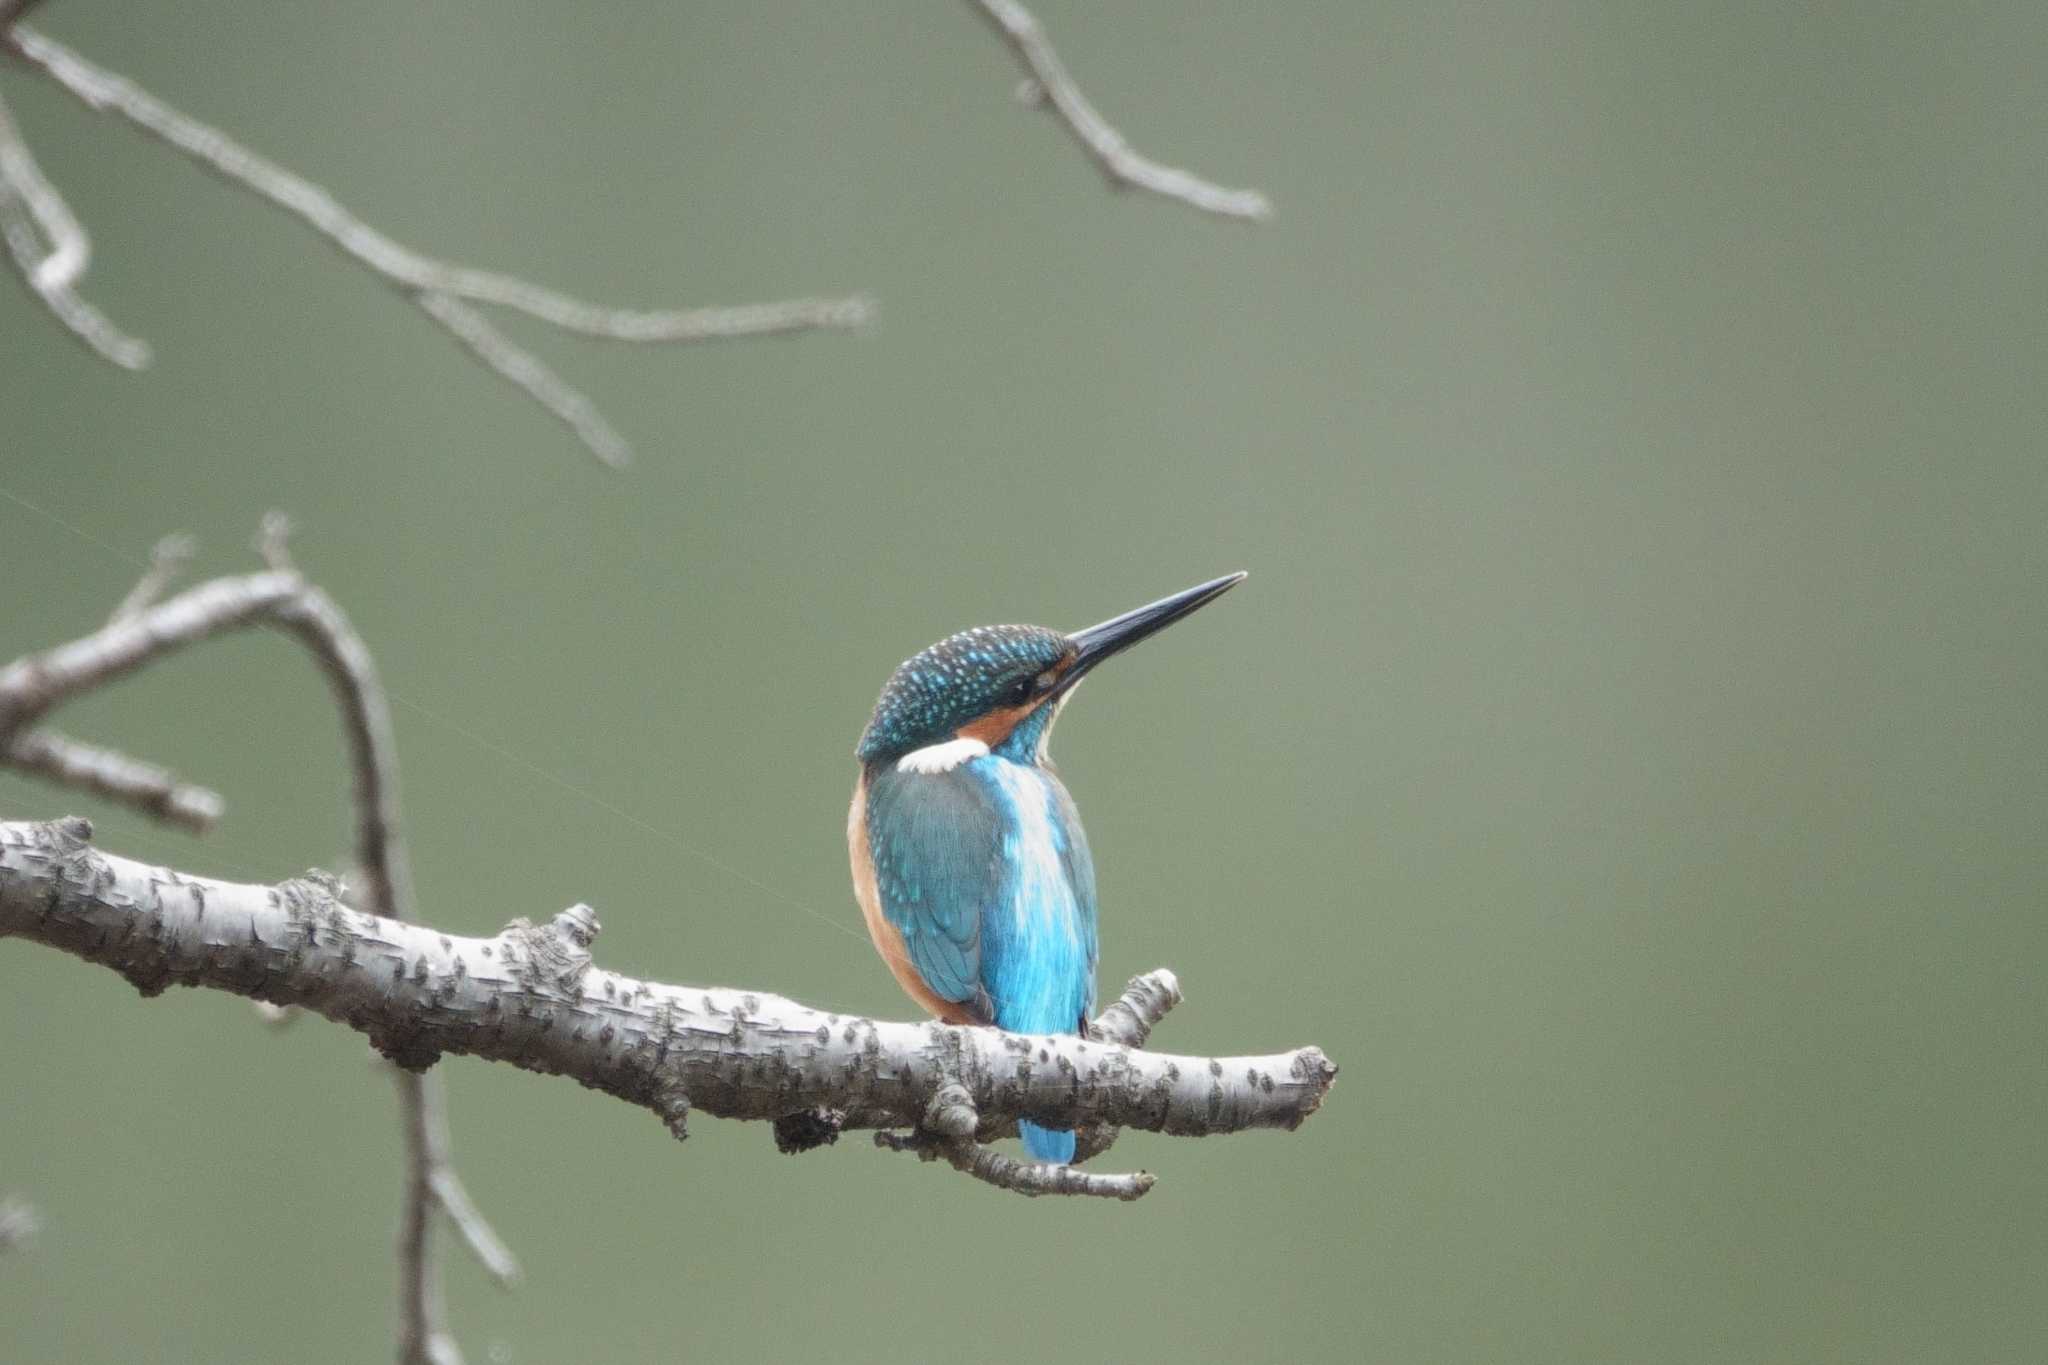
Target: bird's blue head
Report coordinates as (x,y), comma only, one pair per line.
(1004,685)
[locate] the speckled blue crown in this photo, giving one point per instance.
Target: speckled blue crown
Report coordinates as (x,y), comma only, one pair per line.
(960,679)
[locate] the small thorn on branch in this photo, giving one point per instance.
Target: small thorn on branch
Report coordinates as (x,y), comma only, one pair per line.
(166,561)
(272,541)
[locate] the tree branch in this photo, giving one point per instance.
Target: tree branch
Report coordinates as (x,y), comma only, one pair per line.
(155,792)
(50,249)
(531,996)
(440,287)
(142,631)
(1126,168)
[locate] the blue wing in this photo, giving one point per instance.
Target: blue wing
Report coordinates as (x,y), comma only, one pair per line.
(937,845)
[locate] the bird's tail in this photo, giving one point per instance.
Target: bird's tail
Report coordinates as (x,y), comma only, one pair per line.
(1047,1144)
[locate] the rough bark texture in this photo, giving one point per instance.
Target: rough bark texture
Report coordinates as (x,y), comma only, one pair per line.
(531,996)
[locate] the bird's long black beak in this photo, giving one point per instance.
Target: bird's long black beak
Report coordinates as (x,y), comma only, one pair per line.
(1119,633)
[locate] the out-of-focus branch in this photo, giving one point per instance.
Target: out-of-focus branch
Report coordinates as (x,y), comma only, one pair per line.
(524,370)
(155,792)
(50,250)
(433,284)
(18,1223)
(446,1187)
(1125,166)
(142,631)
(166,561)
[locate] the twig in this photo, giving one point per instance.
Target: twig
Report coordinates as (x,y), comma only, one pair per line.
(70,248)
(423,1336)
(32,213)
(155,792)
(1132,1016)
(166,561)
(530,995)
(419,276)
(526,371)
(449,1193)
(948,1132)
(1120,161)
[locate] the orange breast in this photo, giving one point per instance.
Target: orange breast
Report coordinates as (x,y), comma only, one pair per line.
(888,942)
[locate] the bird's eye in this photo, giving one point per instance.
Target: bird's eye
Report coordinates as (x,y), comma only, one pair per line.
(1023,690)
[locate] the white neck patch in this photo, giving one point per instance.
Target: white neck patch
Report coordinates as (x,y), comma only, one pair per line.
(941,758)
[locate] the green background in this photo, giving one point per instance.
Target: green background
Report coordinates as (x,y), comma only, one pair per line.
(1626,759)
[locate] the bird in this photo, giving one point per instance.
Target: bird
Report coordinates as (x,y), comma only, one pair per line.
(969,861)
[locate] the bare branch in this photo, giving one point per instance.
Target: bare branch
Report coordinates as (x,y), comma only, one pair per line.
(144,787)
(948,1132)
(70,248)
(419,276)
(1120,161)
(32,687)
(531,996)
(423,1335)
(447,1190)
(525,371)
(33,213)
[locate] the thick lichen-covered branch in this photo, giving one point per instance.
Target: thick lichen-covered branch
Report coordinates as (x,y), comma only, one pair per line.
(531,996)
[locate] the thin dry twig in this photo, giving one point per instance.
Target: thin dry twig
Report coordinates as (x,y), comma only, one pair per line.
(948,1133)
(425,277)
(156,792)
(50,248)
(446,1187)
(524,370)
(1122,163)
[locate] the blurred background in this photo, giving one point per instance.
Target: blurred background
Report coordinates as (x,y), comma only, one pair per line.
(1625,760)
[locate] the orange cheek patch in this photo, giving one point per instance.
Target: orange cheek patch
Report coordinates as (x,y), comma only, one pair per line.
(993,728)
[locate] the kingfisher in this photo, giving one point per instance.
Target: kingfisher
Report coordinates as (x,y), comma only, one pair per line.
(969,861)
